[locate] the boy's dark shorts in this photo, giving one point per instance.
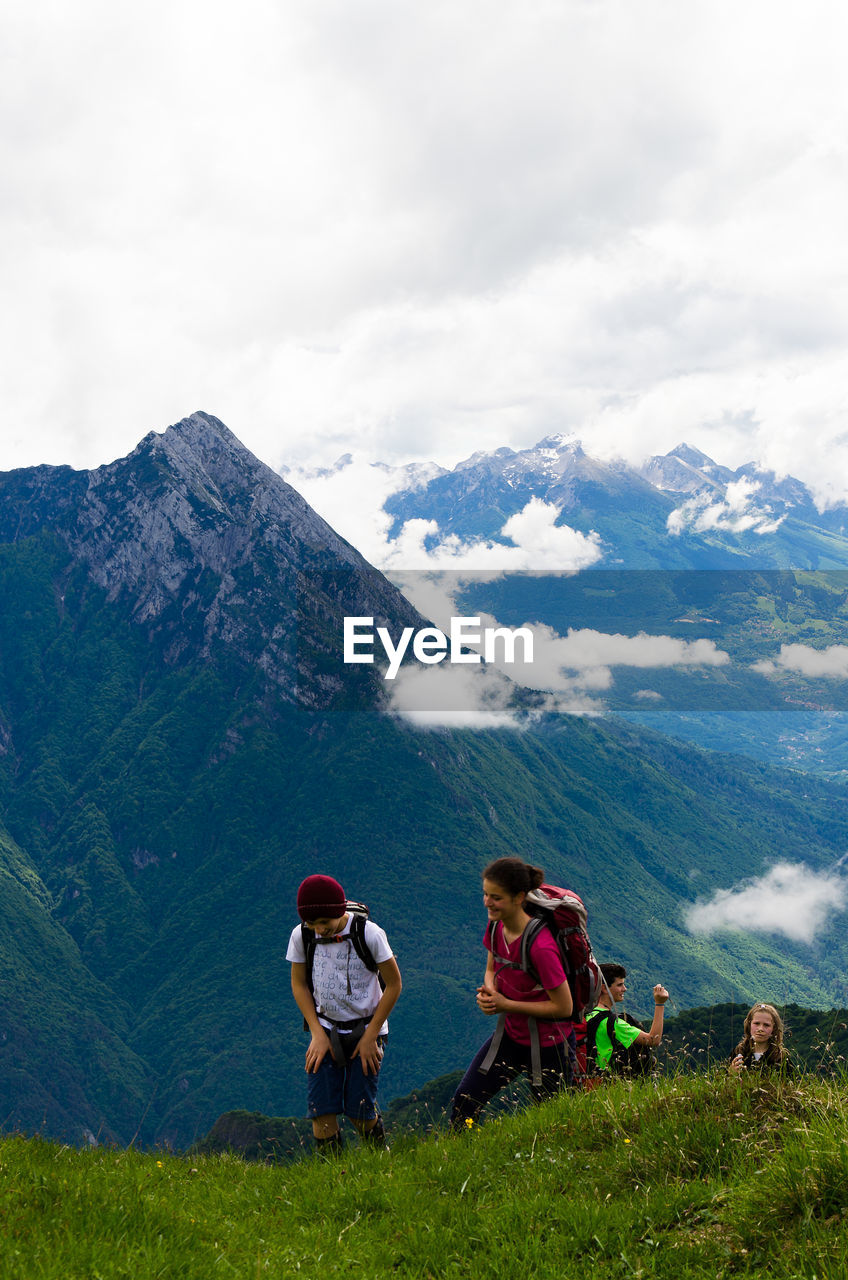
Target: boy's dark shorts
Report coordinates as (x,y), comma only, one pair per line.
(347,1090)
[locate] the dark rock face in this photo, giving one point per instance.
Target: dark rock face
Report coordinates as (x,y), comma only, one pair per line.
(213,551)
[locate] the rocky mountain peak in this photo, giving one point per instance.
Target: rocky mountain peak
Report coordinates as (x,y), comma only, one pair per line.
(209,548)
(195,496)
(560,444)
(482,459)
(685,471)
(198,433)
(213,464)
(691,456)
(688,471)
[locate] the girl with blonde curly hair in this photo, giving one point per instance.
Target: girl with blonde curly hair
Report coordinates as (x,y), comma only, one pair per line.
(761,1047)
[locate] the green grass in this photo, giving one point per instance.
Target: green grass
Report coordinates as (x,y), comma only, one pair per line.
(702,1176)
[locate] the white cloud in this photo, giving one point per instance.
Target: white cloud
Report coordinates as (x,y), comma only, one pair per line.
(538,544)
(790,899)
(588,648)
(830,663)
(351,496)
(582,660)
(446,697)
(567,674)
(736,511)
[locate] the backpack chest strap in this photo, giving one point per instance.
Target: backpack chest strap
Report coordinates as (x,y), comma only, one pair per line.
(523,963)
(535,1049)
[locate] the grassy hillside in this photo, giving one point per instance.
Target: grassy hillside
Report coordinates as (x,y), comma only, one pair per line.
(694,1039)
(696,1176)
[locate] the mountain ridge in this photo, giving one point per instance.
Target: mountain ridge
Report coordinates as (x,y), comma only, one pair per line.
(678,510)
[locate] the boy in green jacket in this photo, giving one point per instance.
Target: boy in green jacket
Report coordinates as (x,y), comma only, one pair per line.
(609,1033)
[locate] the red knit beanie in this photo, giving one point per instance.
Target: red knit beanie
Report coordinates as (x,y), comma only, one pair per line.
(321,898)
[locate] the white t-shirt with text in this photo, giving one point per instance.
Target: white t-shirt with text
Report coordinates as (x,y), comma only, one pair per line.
(342,987)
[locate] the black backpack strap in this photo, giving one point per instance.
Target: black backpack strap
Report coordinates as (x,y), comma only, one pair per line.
(635,1059)
(342,1046)
(494,1046)
(360,946)
(528,937)
(357,938)
(308,939)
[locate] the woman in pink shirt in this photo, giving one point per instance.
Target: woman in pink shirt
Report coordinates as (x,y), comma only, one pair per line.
(530,1006)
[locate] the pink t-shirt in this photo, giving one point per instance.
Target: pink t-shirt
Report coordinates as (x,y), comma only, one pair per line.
(515,984)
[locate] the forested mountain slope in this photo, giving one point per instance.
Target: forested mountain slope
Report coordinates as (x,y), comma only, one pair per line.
(180,743)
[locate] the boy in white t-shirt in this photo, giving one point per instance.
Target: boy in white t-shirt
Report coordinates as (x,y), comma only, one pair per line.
(353,985)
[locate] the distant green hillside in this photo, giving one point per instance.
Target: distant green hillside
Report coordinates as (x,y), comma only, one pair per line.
(747,614)
(787,717)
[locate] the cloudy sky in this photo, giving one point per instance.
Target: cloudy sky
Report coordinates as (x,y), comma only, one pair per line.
(414,230)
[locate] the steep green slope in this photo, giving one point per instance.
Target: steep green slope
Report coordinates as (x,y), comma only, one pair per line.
(173,844)
(65,1067)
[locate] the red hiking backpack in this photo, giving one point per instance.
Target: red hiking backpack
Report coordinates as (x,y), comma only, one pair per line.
(562,912)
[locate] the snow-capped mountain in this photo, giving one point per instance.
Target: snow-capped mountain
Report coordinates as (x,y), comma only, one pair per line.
(680,510)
